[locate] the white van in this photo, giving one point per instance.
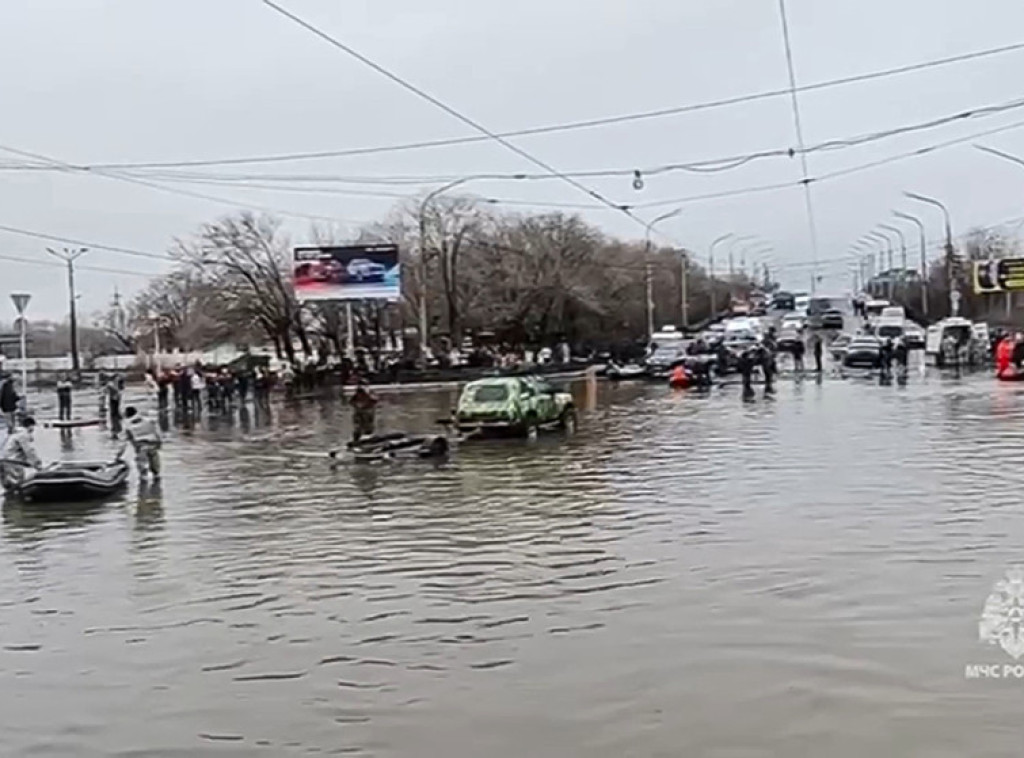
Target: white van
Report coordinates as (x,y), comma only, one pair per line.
(874,308)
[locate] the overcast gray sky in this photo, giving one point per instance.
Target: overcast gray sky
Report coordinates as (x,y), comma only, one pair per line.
(99,81)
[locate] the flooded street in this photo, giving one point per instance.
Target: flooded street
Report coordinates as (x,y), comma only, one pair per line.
(685,576)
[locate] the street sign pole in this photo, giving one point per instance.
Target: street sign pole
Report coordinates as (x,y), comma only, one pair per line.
(20,300)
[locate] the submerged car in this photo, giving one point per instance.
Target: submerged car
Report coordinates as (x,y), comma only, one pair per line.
(863,352)
(832,319)
(513,405)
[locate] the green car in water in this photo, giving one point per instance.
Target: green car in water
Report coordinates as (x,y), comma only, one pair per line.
(513,405)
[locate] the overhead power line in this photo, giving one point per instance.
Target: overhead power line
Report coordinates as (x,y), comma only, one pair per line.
(915,153)
(576,125)
(98,269)
(84,243)
(121,177)
(708,165)
(454,113)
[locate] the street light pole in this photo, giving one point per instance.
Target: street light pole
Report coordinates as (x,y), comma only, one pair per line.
(881,261)
(69,256)
(954,299)
(711,271)
(903,249)
(648,274)
(423,327)
(924,258)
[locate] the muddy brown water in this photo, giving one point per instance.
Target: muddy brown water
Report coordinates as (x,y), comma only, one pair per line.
(686,576)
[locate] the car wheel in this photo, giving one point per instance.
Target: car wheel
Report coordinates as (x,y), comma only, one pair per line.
(568,419)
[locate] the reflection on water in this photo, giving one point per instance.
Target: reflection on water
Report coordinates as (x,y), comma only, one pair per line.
(688,575)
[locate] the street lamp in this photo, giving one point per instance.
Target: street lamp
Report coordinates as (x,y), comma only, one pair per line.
(879,237)
(954,293)
(424,336)
(711,270)
(649,278)
(20,300)
(903,252)
(732,250)
(924,257)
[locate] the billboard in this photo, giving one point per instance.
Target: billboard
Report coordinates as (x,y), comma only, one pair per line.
(999,275)
(347,272)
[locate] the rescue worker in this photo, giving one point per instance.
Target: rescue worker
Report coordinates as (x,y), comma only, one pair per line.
(679,378)
(144,435)
(364,412)
(19,455)
(64,398)
(1004,356)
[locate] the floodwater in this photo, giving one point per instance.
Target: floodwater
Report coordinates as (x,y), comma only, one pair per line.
(686,576)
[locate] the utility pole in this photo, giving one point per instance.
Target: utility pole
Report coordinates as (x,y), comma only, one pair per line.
(649,283)
(684,290)
(69,256)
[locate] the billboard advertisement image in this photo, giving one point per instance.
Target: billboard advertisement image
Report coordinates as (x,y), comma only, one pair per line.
(347,272)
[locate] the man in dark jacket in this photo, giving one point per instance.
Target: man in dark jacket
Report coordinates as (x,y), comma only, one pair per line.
(8,398)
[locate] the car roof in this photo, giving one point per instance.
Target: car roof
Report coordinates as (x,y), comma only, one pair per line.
(504,381)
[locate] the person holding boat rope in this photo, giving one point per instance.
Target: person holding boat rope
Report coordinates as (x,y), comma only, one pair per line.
(364,412)
(144,435)
(19,456)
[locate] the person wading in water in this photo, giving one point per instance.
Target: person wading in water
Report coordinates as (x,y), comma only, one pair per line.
(364,412)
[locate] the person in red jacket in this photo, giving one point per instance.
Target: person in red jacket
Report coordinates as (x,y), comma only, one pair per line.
(1004,357)
(679,378)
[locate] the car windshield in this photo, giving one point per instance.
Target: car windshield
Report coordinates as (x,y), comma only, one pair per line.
(490,393)
(668,353)
(890,330)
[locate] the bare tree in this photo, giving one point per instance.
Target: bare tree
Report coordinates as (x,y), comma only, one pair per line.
(247,259)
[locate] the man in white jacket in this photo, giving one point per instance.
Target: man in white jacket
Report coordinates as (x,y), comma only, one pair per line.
(144,435)
(19,455)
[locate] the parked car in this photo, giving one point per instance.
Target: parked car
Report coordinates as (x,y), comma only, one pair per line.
(832,319)
(363,270)
(864,351)
(513,405)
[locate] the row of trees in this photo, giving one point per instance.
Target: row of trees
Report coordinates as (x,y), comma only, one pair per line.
(525,279)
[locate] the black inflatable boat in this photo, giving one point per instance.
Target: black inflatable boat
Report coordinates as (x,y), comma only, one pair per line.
(74,481)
